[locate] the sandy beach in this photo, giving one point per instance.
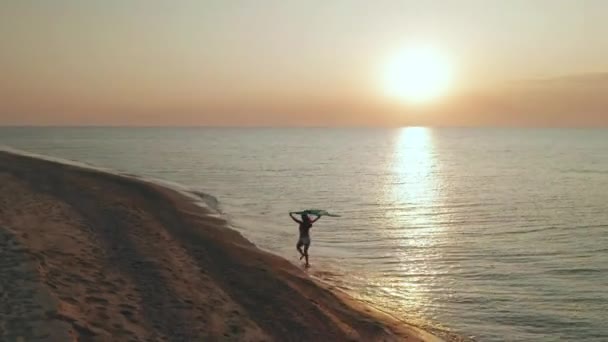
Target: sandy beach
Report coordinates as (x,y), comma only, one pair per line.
(87,255)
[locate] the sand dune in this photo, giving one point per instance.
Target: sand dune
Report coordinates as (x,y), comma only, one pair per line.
(87,255)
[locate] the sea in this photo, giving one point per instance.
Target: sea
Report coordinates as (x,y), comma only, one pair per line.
(497,234)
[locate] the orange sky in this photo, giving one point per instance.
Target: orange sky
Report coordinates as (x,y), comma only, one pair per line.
(517,63)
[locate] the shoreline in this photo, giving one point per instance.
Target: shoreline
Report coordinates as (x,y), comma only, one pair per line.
(114,256)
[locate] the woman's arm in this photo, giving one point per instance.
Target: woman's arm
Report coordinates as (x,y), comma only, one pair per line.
(293,218)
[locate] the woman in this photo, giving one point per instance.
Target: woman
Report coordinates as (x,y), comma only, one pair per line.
(304,240)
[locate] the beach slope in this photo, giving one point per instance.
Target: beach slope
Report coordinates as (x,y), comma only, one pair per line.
(90,255)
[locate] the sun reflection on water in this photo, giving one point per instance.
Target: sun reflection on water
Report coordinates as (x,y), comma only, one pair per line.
(414,186)
(413,191)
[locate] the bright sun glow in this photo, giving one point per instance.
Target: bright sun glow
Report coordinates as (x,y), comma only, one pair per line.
(418,74)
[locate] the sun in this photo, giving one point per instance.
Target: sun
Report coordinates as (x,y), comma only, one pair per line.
(417,75)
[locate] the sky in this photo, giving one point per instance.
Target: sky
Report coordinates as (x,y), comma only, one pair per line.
(299,63)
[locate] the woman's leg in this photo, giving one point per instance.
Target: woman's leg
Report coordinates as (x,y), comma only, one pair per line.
(306,254)
(299,248)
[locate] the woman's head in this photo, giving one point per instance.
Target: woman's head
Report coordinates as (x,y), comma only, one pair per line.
(305,217)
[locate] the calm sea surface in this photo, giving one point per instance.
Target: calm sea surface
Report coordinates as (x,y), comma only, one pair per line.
(501,234)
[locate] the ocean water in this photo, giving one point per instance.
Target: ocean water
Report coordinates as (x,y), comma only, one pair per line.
(500,234)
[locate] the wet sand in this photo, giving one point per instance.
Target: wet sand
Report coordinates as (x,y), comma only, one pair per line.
(93,256)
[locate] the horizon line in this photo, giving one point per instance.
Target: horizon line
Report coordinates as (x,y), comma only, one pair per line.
(297,126)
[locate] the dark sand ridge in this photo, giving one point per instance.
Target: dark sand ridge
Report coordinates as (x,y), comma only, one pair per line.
(88,255)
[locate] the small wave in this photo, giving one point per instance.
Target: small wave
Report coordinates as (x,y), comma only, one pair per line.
(586,171)
(527,231)
(574,271)
(542,229)
(211,200)
(200,198)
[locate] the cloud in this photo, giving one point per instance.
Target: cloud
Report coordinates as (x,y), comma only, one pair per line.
(585,79)
(572,100)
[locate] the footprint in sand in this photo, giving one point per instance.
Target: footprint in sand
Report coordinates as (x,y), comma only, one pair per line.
(24,303)
(95,300)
